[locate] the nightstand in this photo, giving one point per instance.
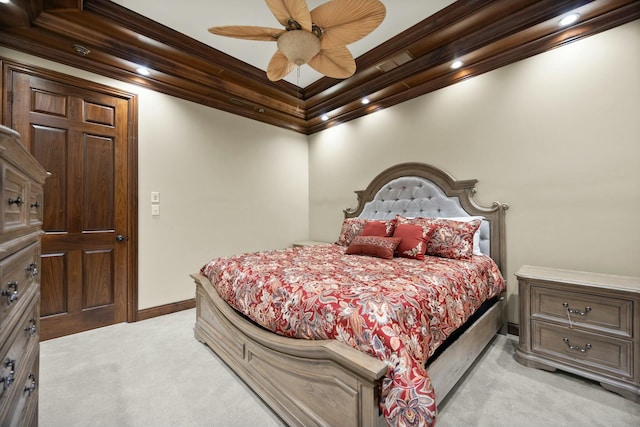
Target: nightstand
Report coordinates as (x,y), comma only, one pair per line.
(584,323)
(308,243)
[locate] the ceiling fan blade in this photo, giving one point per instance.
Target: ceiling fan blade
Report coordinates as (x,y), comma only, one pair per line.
(337,63)
(279,66)
(248,32)
(346,21)
(284,10)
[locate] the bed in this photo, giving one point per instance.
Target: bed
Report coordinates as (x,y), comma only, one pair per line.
(340,381)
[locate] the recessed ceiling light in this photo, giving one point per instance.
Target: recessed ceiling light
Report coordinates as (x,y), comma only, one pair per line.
(4,1)
(324,118)
(365,101)
(144,71)
(569,19)
(456,64)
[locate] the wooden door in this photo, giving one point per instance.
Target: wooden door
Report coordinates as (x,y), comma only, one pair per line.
(80,136)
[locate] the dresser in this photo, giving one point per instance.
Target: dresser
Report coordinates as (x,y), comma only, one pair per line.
(21,185)
(584,323)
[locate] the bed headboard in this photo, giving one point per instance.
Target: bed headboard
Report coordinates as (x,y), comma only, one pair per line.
(421,190)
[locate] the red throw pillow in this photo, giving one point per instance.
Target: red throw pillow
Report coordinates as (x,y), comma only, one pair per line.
(448,239)
(379,228)
(376,246)
(414,240)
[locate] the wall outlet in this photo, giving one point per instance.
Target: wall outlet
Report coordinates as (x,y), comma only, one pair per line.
(155,210)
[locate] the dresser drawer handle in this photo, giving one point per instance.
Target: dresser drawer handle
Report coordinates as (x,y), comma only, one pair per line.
(17,201)
(31,328)
(576,347)
(11,296)
(9,379)
(574,311)
(31,387)
(35,204)
(33,269)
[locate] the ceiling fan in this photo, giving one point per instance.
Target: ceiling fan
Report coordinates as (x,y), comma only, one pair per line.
(318,38)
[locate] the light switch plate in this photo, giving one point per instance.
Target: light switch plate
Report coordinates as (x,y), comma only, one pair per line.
(155,210)
(155,197)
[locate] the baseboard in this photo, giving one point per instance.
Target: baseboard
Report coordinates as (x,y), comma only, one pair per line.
(513,329)
(161,310)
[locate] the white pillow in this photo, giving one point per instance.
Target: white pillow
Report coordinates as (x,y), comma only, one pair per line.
(476,235)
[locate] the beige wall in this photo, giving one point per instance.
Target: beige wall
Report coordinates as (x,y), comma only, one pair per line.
(556,136)
(227,185)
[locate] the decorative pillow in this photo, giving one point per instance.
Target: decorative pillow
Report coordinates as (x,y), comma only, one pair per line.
(351,227)
(476,235)
(379,228)
(376,246)
(414,240)
(450,239)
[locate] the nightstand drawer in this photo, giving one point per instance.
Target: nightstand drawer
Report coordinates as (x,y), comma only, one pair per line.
(586,310)
(593,352)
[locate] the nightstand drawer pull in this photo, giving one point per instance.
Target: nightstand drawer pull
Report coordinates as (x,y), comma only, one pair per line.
(574,311)
(576,347)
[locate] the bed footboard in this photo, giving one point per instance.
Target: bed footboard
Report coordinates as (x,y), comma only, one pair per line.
(305,382)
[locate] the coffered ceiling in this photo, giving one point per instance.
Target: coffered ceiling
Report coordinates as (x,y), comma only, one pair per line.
(409,55)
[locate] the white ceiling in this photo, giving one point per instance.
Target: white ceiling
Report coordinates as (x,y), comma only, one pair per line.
(194,17)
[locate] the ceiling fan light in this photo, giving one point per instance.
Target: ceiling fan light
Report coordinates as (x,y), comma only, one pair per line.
(298,46)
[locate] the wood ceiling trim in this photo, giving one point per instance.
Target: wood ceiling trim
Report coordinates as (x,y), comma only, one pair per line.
(489,34)
(43,44)
(138,24)
(430,80)
(457,38)
(19,13)
(93,32)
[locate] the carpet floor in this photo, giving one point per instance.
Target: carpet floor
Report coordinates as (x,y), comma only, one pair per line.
(155,373)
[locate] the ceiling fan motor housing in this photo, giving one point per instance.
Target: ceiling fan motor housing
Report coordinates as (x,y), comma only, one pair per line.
(299,46)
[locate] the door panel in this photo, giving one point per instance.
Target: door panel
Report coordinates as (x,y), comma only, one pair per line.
(81,137)
(49,146)
(99,183)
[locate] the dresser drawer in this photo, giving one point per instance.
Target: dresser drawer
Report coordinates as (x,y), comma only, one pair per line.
(16,354)
(36,195)
(15,191)
(24,407)
(586,350)
(18,273)
(586,310)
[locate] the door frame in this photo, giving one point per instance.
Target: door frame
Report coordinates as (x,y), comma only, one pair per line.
(9,66)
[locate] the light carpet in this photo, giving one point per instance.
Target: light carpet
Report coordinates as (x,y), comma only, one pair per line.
(155,373)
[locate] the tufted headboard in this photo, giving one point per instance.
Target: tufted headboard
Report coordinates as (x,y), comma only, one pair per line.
(421,190)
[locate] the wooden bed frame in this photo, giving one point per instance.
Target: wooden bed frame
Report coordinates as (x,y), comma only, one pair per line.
(326,382)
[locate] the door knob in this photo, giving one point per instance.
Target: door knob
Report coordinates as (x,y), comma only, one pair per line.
(120,238)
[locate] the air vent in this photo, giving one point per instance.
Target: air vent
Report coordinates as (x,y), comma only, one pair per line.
(395,62)
(81,50)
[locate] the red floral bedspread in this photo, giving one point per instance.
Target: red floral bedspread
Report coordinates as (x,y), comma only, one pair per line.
(398,310)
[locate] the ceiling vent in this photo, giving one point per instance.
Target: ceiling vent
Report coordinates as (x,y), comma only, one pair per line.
(395,62)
